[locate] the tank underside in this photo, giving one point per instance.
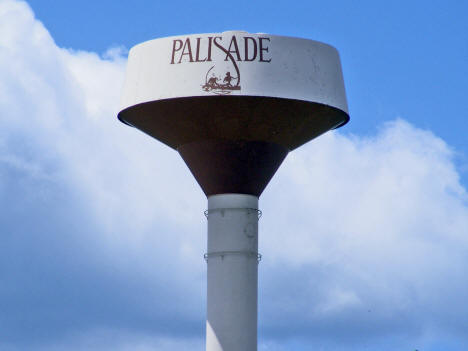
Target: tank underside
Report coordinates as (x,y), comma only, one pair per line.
(233,144)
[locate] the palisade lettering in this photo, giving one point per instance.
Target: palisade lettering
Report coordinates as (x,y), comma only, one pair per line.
(245,48)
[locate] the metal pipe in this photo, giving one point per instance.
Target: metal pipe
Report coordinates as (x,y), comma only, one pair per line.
(232,261)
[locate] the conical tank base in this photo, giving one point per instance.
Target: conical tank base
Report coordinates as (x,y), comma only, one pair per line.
(222,166)
(233,144)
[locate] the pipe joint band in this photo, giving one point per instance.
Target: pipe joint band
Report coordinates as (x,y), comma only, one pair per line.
(222,210)
(226,253)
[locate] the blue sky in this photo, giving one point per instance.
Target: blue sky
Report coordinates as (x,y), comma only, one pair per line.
(400,58)
(101,228)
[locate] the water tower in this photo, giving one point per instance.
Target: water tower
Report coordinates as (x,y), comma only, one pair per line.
(233,105)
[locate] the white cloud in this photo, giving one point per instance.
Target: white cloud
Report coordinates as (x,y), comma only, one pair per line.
(381,221)
(370,232)
(117,340)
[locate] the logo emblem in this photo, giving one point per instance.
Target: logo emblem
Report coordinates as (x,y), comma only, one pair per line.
(223,77)
(222,86)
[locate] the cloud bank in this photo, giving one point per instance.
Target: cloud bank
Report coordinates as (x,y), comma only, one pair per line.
(364,238)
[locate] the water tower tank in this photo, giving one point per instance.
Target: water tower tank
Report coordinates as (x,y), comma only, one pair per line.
(233,105)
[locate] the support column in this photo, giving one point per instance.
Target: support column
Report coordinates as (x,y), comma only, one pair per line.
(232,260)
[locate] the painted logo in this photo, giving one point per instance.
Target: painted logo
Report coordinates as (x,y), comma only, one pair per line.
(223,75)
(215,85)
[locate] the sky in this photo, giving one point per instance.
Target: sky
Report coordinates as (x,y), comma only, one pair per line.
(102,232)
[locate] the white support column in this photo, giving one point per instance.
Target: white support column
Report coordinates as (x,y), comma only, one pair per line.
(232,259)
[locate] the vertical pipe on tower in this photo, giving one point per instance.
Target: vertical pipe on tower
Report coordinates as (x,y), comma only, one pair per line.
(232,261)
